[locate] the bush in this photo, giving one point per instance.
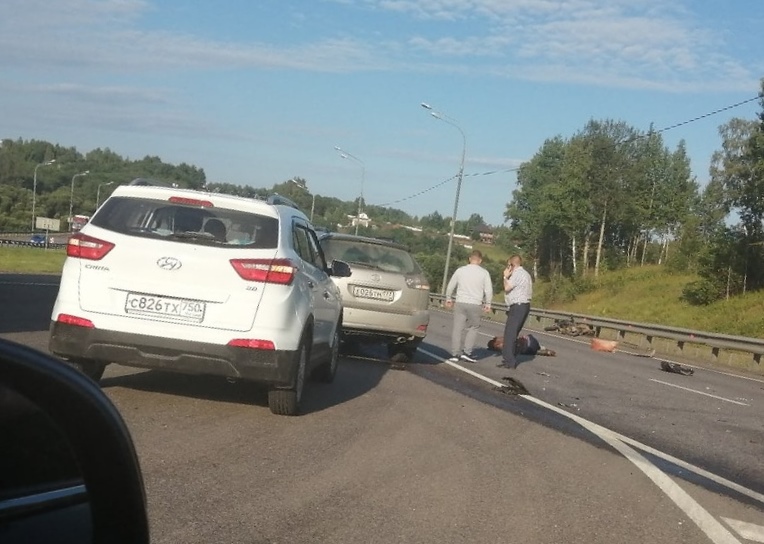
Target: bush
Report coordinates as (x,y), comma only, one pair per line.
(562,289)
(701,293)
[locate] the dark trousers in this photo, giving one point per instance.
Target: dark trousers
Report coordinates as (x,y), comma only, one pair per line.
(516,316)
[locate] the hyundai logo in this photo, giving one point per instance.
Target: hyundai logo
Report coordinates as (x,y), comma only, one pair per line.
(169,263)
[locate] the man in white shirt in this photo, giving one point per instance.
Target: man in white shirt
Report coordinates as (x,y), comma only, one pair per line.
(474,292)
(518,290)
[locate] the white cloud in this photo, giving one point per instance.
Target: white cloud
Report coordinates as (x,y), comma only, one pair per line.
(639,43)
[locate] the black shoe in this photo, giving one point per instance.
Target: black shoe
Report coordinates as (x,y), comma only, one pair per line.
(506,365)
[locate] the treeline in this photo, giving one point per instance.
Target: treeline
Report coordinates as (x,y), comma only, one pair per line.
(612,196)
(66,177)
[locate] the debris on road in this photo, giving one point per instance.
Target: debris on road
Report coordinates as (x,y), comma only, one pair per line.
(598,344)
(570,328)
(676,368)
(513,387)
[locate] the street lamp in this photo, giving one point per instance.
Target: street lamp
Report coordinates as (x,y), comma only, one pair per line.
(34,187)
(98,192)
(446,119)
(71,196)
(345,155)
(313,204)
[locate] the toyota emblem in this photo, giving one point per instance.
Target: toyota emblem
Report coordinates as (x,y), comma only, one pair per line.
(376,277)
(169,263)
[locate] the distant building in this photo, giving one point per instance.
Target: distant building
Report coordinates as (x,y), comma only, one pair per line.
(362,220)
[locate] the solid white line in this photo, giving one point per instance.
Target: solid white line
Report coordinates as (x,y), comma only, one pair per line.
(699,392)
(707,523)
(749,531)
(702,518)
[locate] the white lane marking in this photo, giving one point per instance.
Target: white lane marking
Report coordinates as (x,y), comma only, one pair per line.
(702,518)
(699,392)
(749,531)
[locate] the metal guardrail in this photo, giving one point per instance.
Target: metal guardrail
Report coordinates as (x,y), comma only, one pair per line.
(664,339)
(27,243)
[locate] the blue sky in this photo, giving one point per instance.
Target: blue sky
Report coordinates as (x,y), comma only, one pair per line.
(256,92)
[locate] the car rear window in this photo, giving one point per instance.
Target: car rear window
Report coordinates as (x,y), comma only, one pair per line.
(389,259)
(166,220)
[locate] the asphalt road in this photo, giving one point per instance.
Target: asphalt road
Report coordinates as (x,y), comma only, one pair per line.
(604,448)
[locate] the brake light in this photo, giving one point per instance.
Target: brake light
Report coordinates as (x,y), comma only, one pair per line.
(252,344)
(67,319)
(421,328)
(280,271)
(82,246)
(191,201)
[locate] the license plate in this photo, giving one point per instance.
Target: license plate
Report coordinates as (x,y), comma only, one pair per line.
(376,294)
(191,310)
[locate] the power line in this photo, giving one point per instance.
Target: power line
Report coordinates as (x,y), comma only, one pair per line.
(659,131)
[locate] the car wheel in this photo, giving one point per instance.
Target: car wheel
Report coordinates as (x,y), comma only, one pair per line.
(326,372)
(286,402)
(92,369)
(403,353)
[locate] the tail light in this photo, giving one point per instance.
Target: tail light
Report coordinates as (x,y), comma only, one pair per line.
(82,246)
(252,344)
(67,319)
(280,271)
(417,282)
(421,328)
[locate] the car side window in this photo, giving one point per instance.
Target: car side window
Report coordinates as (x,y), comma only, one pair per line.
(318,254)
(306,246)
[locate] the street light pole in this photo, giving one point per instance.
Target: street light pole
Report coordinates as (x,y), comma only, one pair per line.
(312,204)
(345,155)
(98,192)
(34,188)
(443,117)
(71,196)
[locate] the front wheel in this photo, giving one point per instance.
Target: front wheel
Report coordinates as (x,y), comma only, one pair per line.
(286,402)
(92,369)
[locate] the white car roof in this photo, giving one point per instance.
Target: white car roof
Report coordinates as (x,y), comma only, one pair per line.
(232,202)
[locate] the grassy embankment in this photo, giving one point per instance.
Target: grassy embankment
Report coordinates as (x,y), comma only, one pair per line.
(31,260)
(643,294)
(650,294)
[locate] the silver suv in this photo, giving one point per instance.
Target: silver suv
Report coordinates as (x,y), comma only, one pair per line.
(386,299)
(200,283)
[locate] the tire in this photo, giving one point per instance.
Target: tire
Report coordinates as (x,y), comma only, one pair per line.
(403,353)
(326,372)
(286,402)
(92,369)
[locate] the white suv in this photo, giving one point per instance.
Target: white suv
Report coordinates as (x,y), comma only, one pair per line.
(201,283)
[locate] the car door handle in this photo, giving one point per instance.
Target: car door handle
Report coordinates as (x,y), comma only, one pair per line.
(311,284)
(327,295)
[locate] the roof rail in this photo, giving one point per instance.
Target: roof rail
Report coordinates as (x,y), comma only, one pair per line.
(152,182)
(277,199)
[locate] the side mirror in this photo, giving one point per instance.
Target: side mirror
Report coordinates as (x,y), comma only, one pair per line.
(340,269)
(68,467)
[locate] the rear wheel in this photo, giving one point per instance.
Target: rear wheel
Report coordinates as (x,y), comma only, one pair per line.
(404,352)
(326,372)
(92,369)
(286,402)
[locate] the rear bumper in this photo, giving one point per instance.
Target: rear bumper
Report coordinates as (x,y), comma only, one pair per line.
(136,350)
(385,325)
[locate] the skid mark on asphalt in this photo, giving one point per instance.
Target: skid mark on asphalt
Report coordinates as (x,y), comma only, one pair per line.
(711,527)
